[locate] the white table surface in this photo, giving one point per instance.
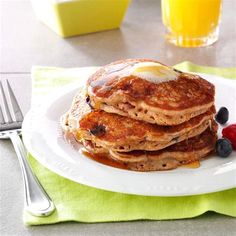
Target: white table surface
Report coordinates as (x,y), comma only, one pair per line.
(25,42)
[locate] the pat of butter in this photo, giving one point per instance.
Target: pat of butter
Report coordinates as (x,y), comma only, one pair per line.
(154,72)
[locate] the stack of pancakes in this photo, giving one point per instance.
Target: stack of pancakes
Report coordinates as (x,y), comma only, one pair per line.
(144,115)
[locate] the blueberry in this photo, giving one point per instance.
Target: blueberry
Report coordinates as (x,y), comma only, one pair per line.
(223,147)
(98,130)
(222,115)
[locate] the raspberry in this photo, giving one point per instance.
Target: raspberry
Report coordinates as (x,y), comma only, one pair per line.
(230,133)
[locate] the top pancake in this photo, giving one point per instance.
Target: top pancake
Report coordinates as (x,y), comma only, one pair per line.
(115,89)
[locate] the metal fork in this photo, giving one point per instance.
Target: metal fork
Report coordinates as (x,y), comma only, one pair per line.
(37,201)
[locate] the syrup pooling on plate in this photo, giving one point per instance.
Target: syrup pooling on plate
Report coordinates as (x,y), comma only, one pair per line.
(103,159)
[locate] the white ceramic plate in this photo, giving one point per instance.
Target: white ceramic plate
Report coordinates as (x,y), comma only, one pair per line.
(43,139)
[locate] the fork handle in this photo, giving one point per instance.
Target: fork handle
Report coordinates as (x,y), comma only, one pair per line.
(37,202)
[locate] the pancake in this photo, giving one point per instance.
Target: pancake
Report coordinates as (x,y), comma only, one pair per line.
(147,90)
(182,153)
(123,134)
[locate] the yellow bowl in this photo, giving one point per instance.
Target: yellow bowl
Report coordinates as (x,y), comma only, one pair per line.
(74,17)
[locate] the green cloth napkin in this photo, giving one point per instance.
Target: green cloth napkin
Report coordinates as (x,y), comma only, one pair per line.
(77,202)
(224,72)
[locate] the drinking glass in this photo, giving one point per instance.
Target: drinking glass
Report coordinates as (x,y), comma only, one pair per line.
(191,23)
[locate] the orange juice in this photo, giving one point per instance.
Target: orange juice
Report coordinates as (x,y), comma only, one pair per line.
(191,23)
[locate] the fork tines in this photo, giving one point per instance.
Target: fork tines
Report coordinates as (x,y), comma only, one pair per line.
(9,107)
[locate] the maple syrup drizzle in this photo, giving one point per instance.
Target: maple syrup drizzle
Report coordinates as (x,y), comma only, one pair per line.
(114,73)
(118,72)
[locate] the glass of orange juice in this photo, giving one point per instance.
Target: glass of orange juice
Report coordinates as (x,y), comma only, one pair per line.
(191,23)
